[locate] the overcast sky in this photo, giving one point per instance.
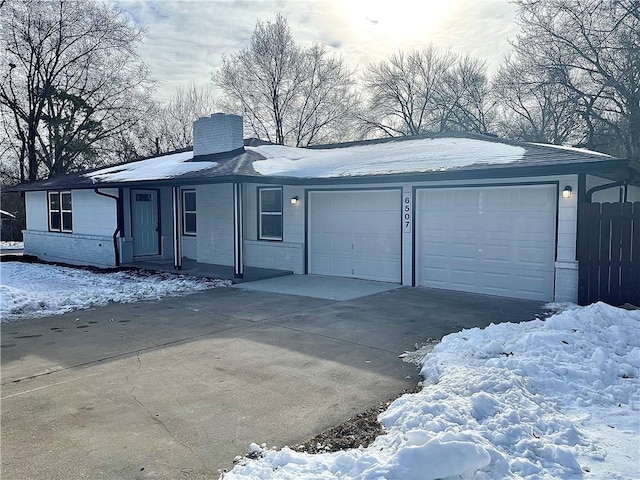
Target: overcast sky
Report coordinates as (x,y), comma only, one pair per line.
(185,40)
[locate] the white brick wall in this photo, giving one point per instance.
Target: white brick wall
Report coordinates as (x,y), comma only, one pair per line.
(566,282)
(278,255)
(218,133)
(190,247)
(70,248)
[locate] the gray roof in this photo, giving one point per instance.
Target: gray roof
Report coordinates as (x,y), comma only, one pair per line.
(245,164)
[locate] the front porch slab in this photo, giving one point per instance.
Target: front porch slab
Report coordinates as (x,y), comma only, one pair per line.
(223,272)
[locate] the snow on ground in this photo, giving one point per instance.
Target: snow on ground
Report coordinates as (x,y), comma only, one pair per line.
(553,399)
(37,290)
(406,156)
(155,168)
(11,245)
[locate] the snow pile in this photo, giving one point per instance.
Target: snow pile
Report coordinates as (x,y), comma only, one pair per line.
(36,290)
(156,168)
(406,156)
(540,399)
(11,245)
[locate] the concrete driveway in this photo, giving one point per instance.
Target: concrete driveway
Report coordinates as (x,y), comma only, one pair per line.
(174,389)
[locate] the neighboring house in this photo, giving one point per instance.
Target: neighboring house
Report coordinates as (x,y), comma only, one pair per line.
(5,224)
(462,211)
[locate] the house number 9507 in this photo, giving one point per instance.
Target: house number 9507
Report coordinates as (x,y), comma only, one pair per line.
(406,213)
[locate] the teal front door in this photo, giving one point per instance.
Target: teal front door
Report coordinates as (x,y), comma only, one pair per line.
(144,217)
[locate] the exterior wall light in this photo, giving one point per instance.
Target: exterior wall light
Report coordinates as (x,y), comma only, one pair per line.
(294,200)
(566,193)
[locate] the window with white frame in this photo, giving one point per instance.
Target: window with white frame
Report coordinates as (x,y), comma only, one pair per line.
(270,213)
(60,214)
(189,212)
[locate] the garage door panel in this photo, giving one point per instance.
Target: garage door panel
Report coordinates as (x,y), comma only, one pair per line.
(339,265)
(340,223)
(382,270)
(495,240)
(531,199)
(535,223)
(384,222)
(324,265)
(379,245)
(463,278)
(362,239)
(460,251)
(462,196)
(497,280)
(330,243)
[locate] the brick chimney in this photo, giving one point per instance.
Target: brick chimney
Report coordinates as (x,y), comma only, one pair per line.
(217,134)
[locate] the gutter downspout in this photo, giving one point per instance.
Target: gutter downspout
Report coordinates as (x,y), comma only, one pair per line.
(116,250)
(606,186)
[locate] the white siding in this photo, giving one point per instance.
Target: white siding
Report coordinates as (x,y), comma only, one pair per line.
(94,214)
(37,213)
(215,224)
(90,243)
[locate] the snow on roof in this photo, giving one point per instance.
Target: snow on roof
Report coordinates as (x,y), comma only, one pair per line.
(571,149)
(166,166)
(421,155)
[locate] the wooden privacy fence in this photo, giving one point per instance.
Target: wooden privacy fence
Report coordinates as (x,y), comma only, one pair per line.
(609,253)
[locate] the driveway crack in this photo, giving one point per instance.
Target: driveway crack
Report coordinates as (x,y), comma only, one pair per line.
(157,420)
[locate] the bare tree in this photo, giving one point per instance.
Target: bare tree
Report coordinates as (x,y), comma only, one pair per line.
(424,91)
(533,107)
(174,120)
(465,102)
(323,105)
(404,90)
(592,48)
(287,94)
(71,78)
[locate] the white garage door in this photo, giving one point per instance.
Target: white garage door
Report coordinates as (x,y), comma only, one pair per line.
(493,240)
(355,234)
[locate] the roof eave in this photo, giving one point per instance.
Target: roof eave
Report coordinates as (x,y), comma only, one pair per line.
(615,169)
